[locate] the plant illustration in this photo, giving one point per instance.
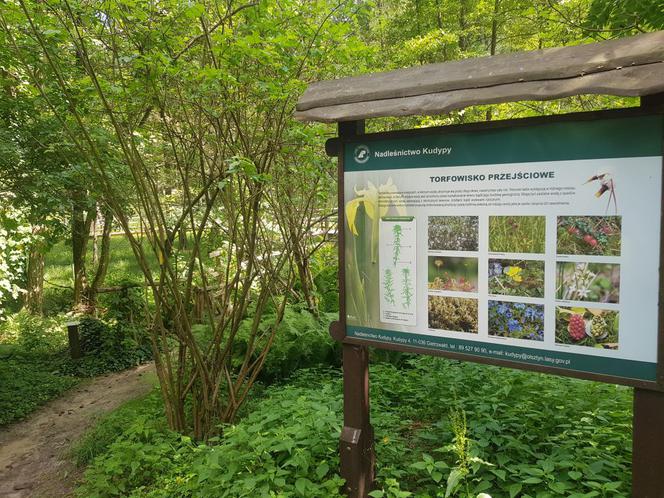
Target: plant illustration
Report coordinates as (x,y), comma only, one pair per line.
(396,247)
(388,286)
(406,288)
(606,185)
(363,215)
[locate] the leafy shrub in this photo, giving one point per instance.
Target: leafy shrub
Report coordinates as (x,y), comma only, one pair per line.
(285,447)
(146,450)
(107,347)
(327,288)
(111,426)
(34,333)
(302,341)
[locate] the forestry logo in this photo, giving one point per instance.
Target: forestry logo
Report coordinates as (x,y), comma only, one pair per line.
(361,154)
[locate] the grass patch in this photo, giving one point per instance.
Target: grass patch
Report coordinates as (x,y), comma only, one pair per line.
(519,234)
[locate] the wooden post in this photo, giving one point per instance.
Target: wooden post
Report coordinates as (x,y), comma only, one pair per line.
(74,340)
(357,439)
(648,444)
(648,421)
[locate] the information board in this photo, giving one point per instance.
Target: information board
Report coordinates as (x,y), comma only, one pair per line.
(536,245)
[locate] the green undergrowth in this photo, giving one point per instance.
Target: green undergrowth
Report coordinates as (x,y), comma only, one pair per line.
(442,429)
(26,382)
(36,366)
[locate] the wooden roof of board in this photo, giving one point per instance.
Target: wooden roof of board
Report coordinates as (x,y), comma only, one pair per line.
(631,66)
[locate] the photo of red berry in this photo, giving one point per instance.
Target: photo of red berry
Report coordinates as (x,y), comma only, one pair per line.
(591,235)
(576,327)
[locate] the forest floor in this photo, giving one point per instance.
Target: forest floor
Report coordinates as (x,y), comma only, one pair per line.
(34,459)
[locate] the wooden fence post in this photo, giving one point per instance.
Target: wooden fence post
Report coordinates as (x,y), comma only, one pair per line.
(74,340)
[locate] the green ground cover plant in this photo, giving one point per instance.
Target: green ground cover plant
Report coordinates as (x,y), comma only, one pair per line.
(521,234)
(594,235)
(443,428)
(513,277)
(452,273)
(27,381)
(35,365)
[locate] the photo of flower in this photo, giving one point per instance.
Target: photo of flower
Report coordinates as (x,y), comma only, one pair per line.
(454,274)
(524,234)
(453,233)
(453,313)
(516,277)
(592,235)
(516,320)
(599,282)
(587,327)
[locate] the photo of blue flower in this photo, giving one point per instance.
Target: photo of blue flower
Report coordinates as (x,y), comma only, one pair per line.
(516,320)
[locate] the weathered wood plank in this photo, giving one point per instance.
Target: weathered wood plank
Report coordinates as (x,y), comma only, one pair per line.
(629,81)
(552,63)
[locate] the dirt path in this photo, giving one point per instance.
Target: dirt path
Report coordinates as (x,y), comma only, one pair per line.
(33,460)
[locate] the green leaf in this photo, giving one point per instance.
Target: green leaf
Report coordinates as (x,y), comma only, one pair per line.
(453,481)
(301,485)
(322,470)
(515,489)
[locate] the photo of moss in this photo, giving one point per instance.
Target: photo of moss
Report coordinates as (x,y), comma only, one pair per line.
(598,282)
(452,273)
(453,313)
(521,234)
(592,235)
(587,327)
(453,233)
(516,277)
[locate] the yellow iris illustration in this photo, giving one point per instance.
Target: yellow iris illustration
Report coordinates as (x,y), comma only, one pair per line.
(370,198)
(514,272)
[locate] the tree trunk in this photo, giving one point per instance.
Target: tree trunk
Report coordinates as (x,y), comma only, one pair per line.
(34,298)
(494,42)
(80,234)
(103,260)
(304,272)
(463,38)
